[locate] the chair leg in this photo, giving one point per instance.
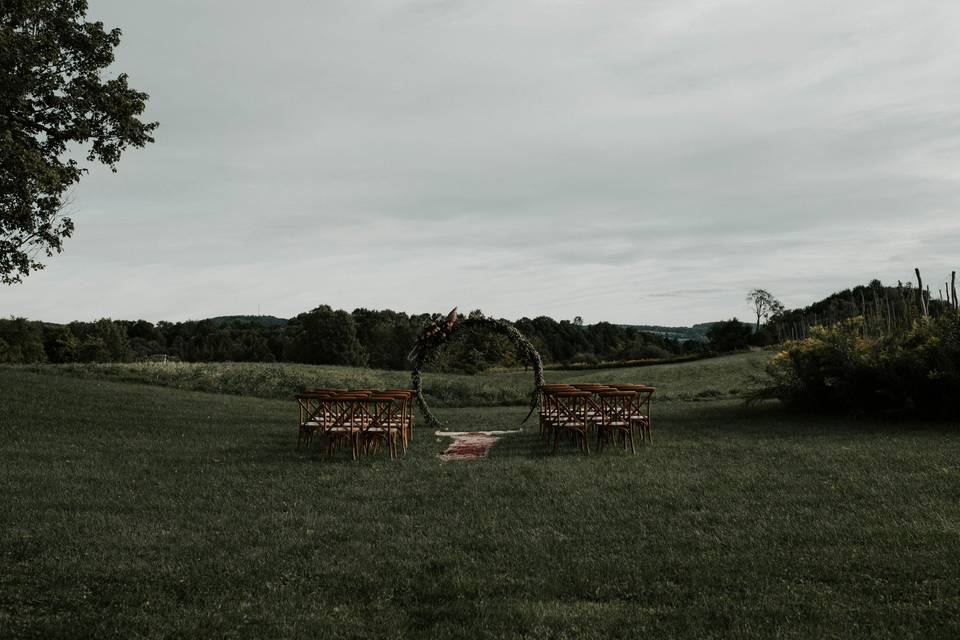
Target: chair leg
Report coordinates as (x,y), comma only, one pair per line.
(586,442)
(556,437)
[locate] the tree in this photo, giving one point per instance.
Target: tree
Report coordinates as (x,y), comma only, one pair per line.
(61,345)
(764,304)
(53,100)
(729,335)
(22,341)
(325,336)
(93,349)
(105,339)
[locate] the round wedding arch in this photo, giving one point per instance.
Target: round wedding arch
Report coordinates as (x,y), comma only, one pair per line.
(442,331)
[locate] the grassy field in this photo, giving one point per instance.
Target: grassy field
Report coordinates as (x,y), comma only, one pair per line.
(129,510)
(713,378)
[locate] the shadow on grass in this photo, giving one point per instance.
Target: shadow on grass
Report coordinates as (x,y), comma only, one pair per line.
(277,448)
(530,445)
(771,418)
(671,423)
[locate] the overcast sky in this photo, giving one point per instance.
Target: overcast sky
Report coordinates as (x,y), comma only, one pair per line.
(632,161)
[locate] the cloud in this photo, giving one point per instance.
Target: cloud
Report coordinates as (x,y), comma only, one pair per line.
(625,161)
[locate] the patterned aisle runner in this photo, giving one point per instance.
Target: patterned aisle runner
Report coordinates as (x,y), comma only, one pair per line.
(470,445)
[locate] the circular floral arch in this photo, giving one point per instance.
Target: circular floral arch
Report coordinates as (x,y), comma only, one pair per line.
(439,332)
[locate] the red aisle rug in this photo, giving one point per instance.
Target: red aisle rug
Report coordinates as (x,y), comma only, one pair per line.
(470,445)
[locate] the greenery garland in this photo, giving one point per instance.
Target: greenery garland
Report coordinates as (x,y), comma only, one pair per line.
(439,332)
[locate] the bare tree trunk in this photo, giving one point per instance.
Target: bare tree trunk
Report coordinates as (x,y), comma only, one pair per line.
(889,316)
(863,311)
(953,288)
(923,304)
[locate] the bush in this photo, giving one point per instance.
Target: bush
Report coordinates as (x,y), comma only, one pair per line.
(21,341)
(915,372)
(729,335)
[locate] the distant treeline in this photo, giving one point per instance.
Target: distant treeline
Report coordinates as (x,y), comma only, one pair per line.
(873,349)
(379,339)
(696,332)
(885,309)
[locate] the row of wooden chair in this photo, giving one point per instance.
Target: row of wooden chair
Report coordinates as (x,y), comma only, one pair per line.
(362,419)
(612,411)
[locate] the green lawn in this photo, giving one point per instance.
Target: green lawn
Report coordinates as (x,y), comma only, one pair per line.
(129,510)
(711,378)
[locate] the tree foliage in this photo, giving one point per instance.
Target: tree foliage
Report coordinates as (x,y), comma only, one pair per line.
(764,305)
(836,369)
(52,100)
(380,339)
(325,336)
(729,335)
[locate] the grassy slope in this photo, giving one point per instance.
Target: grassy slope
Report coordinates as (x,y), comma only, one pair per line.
(130,510)
(706,378)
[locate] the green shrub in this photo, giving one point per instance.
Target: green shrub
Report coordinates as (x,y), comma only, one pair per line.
(914,372)
(729,335)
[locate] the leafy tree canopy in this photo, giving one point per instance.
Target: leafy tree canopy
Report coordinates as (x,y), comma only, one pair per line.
(764,304)
(729,335)
(53,100)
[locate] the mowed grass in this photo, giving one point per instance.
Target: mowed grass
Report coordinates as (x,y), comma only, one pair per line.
(712,378)
(137,511)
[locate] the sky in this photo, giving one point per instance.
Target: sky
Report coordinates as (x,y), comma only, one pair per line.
(634,161)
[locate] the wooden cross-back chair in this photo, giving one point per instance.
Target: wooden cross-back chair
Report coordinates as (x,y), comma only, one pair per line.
(571,416)
(361,419)
(345,418)
(641,409)
(406,412)
(593,413)
(639,398)
(312,413)
(616,414)
(382,422)
(548,412)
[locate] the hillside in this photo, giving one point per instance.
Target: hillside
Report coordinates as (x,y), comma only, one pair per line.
(260,321)
(727,376)
(696,332)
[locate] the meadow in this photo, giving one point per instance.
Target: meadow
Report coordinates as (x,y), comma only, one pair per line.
(140,510)
(730,376)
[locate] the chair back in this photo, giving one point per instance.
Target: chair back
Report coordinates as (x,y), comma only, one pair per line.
(616,407)
(571,407)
